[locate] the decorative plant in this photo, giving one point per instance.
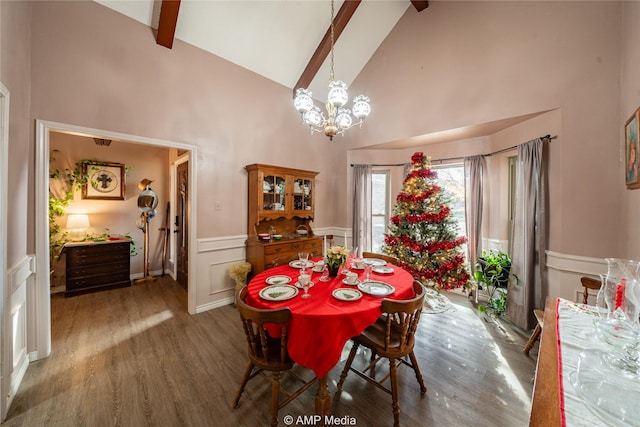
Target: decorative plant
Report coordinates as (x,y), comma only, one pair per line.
(238,272)
(337,255)
(69,181)
(493,270)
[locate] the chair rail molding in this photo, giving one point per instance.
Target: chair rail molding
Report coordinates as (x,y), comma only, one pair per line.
(564,272)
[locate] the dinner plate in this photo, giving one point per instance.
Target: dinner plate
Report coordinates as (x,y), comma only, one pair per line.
(382,269)
(355,267)
(375,261)
(278,292)
(278,280)
(346,294)
(297,263)
(375,288)
(357,282)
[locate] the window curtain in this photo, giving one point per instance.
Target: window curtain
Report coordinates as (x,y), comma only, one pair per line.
(361,226)
(473,169)
(528,238)
(406,168)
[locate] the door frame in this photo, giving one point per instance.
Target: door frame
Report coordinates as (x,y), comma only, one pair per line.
(42,299)
(5,315)
(186,157)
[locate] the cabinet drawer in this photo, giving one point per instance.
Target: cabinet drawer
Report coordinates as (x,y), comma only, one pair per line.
(90,281)
(93,259)
(312,245)
(277,249)
(98,269)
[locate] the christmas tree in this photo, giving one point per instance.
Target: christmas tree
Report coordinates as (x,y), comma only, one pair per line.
(423,234)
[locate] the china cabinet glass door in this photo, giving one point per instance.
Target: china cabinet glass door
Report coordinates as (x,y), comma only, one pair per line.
(302,194)
(273,193)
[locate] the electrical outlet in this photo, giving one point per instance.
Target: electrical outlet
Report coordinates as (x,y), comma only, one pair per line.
(218,206)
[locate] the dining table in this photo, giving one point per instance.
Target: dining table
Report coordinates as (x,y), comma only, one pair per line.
(321,324)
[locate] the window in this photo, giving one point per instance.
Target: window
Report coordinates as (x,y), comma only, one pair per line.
(379,208)
(451,179)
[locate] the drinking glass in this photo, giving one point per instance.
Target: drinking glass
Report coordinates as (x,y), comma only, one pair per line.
(367,272)
(305,281)
(325,274)
(304,258)
(620,328)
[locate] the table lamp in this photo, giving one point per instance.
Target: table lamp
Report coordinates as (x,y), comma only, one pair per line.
(77,225)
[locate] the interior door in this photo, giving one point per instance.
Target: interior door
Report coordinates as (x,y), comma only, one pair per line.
(181,223)
(13,306)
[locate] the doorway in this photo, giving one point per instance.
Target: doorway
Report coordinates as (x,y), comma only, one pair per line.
(182,222)
(41,327)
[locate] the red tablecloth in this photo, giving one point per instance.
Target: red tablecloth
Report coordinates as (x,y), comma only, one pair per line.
(321,325)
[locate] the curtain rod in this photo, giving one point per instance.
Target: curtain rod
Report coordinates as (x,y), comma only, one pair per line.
(549,137)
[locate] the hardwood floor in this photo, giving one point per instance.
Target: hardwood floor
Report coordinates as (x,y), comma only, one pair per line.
(134,356)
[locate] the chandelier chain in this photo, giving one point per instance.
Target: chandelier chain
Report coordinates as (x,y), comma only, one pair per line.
(331,78)
(338,116)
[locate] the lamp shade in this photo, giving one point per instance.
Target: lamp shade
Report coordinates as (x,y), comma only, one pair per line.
(78,221)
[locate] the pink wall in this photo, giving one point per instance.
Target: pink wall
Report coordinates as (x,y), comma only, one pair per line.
(15,36)
(630,101)
(466,63)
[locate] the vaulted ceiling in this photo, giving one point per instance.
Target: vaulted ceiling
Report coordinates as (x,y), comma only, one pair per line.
(283,40)
(287,41)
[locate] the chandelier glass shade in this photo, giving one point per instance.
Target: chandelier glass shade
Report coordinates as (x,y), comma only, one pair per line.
(338,118)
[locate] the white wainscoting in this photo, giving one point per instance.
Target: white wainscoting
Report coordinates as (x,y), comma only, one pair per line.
(214,287)
(494,245)
(20,279)
(564,272)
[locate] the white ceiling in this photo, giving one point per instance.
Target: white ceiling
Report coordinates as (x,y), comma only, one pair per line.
(276,38)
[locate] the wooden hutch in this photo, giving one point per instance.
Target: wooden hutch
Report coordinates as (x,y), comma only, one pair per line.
(282,198)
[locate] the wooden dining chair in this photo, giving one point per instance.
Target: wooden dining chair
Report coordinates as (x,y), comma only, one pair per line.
(589,283)
(391,337)
(266,353)
(388,258)
(535,335)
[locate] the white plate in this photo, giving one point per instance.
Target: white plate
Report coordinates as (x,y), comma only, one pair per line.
(377,289)
(382,269)
(345,294)
(355,267)
(375,261)
(278,280)
(298,285)
(297,263)
(350,284)
(278,292)
(318,269)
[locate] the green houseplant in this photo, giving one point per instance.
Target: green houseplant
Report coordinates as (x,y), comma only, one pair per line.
(493,270)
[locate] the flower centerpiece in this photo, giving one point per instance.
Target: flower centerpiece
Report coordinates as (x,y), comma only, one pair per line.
(336,256)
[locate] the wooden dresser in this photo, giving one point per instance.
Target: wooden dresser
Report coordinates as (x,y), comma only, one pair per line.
(92,266)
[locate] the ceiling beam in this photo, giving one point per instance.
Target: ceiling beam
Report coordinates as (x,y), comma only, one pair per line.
(339,23)
(420,5)
(167,23)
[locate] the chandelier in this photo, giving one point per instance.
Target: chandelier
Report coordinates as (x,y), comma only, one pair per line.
(338,118)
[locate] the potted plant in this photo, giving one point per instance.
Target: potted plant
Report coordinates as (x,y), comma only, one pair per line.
(493,270)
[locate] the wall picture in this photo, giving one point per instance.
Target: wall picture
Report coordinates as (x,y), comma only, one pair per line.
(632,177)
(105,181)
